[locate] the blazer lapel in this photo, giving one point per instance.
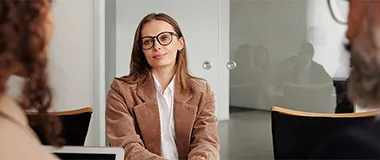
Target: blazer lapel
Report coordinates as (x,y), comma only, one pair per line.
(184,118)
(148,117)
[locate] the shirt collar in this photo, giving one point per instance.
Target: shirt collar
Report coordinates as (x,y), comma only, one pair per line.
(158,85)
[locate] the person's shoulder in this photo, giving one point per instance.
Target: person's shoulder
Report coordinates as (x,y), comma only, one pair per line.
(200,84)
(359,141)
(368,133)
(362,139)
(18,142)
(122,83)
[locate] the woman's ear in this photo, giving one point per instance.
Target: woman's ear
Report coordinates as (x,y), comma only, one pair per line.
(181,43)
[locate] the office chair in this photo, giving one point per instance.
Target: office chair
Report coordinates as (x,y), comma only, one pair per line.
(296,134)
(75,124)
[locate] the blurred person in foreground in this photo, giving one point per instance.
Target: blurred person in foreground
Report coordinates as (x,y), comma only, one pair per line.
(26,28)
(361,141)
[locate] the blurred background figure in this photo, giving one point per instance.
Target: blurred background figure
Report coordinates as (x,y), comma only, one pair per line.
(301,69)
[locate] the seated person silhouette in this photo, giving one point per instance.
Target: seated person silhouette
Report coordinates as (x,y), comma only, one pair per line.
(252,64)
(261,71)
(244,61)
(301,69)
(261,61)
(245,79)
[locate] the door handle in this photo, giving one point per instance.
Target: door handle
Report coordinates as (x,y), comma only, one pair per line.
(207,65)
(231,65)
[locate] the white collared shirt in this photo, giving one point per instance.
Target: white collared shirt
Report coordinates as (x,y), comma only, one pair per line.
(165,104)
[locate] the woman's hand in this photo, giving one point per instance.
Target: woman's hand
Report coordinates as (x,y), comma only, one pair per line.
(198,158)
(203,157)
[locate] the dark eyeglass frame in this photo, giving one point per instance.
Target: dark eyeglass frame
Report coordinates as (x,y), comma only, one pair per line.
(154,38)
(333,11)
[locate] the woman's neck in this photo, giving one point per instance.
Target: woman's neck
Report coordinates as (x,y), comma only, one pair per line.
(164,76)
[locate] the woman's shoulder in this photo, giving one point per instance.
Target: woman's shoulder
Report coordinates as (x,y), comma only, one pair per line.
(18,143)
(122,83)
(200,84)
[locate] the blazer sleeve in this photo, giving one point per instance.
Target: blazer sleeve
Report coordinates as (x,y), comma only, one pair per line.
(120,129)
(204,137)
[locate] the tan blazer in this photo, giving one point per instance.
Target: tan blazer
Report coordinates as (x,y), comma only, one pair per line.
(17,139)
(133,122)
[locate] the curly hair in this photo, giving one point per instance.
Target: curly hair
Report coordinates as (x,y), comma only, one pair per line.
(22,47)
(364,80)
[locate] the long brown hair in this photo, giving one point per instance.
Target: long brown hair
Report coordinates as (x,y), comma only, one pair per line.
(139,66)
(22,47)
(364,34)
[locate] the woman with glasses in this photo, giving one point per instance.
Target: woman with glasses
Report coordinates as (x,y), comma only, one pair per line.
(160,111)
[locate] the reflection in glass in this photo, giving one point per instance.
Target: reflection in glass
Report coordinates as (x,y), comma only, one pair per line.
(284,52)
(301,69)
(305,85)
(242,85)
(247,90)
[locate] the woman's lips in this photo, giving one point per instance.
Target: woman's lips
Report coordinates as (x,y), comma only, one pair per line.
(159,56)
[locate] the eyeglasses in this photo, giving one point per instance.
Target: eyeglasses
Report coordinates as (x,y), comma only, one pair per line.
(163,38)
(339,10)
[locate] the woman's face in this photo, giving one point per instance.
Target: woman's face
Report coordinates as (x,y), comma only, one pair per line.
(161,51)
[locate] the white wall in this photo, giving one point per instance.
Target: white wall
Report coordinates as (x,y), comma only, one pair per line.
(224,51)
(71,54)
(327,36)
(71,60)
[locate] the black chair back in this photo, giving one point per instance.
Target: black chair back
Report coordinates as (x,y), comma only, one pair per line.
(75,124)
(296,134)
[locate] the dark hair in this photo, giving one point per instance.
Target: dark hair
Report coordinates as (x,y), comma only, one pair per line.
(139,66)
(22,48)
(364,80)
